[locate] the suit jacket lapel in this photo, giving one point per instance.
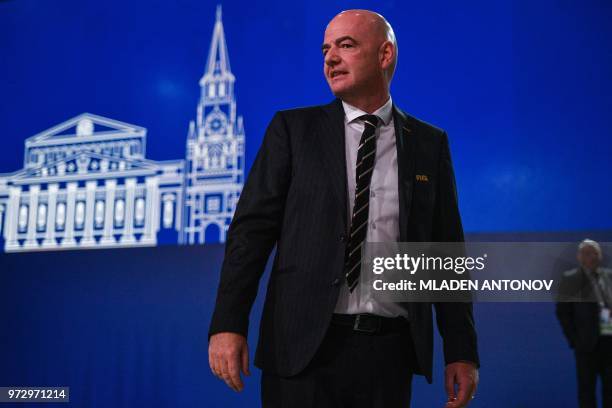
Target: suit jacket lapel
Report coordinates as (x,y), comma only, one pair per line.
(404,139)
(331,141)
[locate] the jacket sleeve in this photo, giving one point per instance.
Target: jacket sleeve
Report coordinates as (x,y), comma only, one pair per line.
(565,314)
(565,311)
(455,320)
(254,230)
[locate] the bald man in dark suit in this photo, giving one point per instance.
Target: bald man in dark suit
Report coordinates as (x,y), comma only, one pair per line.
(326,180)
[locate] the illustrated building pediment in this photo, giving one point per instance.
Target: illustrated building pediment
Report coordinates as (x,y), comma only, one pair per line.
(85,133)
(85,125)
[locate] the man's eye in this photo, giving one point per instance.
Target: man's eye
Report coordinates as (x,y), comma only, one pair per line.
(346,45)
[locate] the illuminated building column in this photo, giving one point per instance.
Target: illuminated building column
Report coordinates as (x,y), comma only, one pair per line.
(90,199)
(109,203)
(71,189)
(49,241)
(33,215)
(1,214)
(128,229)
(150,213)
(10,227)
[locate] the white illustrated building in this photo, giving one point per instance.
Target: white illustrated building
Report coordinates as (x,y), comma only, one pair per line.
(86,183)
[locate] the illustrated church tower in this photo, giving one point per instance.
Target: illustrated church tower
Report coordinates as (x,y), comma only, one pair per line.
(214,173)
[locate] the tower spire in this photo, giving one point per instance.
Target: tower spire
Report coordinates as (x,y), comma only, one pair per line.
(218,60)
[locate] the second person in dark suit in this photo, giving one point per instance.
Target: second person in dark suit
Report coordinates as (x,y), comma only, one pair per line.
(586,301)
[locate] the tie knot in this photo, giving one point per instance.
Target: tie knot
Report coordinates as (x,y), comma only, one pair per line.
(371,120)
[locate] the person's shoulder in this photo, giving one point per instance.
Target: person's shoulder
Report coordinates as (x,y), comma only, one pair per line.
(301,119)
(301,112)
(420,126)
(571,273)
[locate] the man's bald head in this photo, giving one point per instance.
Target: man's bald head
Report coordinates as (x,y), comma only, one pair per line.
(374,23)
(360,53)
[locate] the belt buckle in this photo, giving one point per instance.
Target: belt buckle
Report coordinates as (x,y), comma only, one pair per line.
(358,327)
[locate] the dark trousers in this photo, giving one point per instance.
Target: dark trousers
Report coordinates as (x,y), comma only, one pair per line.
(590,365)
(351,369)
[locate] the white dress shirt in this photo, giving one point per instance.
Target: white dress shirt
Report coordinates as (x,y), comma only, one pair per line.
(383,216)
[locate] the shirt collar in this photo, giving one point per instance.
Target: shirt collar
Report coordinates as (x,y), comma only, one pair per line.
(384,112)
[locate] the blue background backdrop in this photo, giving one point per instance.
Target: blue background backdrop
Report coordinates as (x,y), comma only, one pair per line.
(523,89)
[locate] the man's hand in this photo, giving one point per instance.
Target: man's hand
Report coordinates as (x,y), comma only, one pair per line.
(228,354)
(465,375)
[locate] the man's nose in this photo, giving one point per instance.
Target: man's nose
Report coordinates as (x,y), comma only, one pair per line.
(331,57)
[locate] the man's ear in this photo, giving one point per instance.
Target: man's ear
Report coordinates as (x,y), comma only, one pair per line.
(386,54)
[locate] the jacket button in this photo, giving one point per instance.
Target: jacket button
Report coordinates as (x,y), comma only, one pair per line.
(342,237)
(336,282)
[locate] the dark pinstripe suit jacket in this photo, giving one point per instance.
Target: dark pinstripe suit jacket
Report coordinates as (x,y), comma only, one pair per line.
(296,197)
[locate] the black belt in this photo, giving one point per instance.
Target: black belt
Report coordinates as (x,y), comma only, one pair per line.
(369,323)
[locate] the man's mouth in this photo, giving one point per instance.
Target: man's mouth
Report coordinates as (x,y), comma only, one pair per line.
(335,74)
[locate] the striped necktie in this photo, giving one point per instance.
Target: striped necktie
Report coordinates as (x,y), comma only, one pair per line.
(366,154)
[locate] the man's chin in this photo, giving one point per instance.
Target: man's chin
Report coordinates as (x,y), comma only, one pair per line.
(340,91)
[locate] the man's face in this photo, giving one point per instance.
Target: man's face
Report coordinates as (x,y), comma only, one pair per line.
(588,257)
(350,49)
